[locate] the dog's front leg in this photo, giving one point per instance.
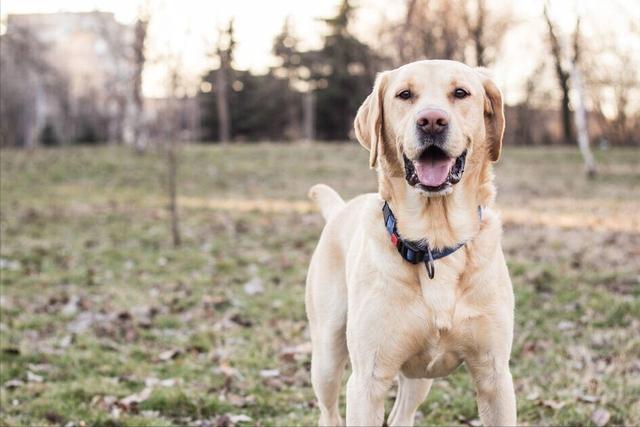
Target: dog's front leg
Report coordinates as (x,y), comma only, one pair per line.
(373,368)
(379,341)
(494,392)
(365,399)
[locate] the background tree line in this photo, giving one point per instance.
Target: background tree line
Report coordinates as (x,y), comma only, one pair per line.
(314,94)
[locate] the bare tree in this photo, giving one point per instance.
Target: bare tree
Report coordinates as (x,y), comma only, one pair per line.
(124,85)
(224,52)
(581,111)
(563,74)
(485,29)
(614,86)
(35,94)
(430,29)
(171,125)
(308,115)
(476,31)
(581,123)
(118,83)
(139,58)
(569,75)
(402,33)
(463,30)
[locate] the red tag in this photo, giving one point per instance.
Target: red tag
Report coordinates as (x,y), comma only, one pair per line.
(394,240)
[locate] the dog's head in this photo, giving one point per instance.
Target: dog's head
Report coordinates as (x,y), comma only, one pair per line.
(428,120)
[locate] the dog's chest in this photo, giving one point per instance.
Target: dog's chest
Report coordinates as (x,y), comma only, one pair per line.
(432,362)
(443,332)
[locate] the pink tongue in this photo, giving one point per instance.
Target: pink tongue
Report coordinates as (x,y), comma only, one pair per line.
(433,173)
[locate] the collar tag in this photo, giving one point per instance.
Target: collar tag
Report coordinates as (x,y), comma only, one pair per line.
(428,262)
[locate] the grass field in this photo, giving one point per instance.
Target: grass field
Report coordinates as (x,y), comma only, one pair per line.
(104,323)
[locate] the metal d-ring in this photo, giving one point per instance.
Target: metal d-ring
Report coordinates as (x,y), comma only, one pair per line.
(431,270)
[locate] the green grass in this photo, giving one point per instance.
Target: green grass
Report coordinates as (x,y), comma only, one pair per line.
(94,295)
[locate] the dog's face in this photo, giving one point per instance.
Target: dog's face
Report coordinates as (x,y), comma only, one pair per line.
(427,118)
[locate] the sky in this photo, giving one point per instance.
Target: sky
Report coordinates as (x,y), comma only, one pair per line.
(189,28)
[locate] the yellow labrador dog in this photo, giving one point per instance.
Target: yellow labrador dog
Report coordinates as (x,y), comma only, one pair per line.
(411,282)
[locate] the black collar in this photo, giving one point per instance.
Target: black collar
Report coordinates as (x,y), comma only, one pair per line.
(417,252)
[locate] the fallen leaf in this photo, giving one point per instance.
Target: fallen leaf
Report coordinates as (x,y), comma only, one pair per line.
(13,384)
(295,353)
(71,307)
(40,367)
(474,422)
(253,286)
(534,395)
(588,398)
(600,417)
(241,320)
(553,404)
(304,348)
(240,401)
(269,373)
(136,398)
(153,382)
(34,378)
(53,417)
(169,355)
(236,400)
(275,384)
(83,321)
(150,414)
(227,369)
(13,351)
(66,341)
(239,418)
(223,421)
(8,264)
(566,325)
(212,301)
(103,402)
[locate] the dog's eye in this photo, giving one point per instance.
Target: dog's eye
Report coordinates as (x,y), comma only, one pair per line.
(460,93)
(405,94)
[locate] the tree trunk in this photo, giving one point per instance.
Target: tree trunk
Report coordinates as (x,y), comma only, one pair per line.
(581,124)
(222,99)
(172,126)
(563,79)
(567,128)
(172,163)
(478,34)
(401,36)
(309,113)
(138,100)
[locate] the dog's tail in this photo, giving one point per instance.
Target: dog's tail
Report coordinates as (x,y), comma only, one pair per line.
(327,199)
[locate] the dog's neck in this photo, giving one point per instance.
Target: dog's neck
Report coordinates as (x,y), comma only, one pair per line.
(443,221)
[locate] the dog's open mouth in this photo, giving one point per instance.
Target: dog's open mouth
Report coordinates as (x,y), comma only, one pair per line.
(434,170)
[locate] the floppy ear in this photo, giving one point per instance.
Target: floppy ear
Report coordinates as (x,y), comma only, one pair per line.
(369,120)
(493,115)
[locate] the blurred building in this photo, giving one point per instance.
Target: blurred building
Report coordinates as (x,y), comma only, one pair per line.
(78,72)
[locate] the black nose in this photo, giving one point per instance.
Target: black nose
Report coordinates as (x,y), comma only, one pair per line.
(432,121)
